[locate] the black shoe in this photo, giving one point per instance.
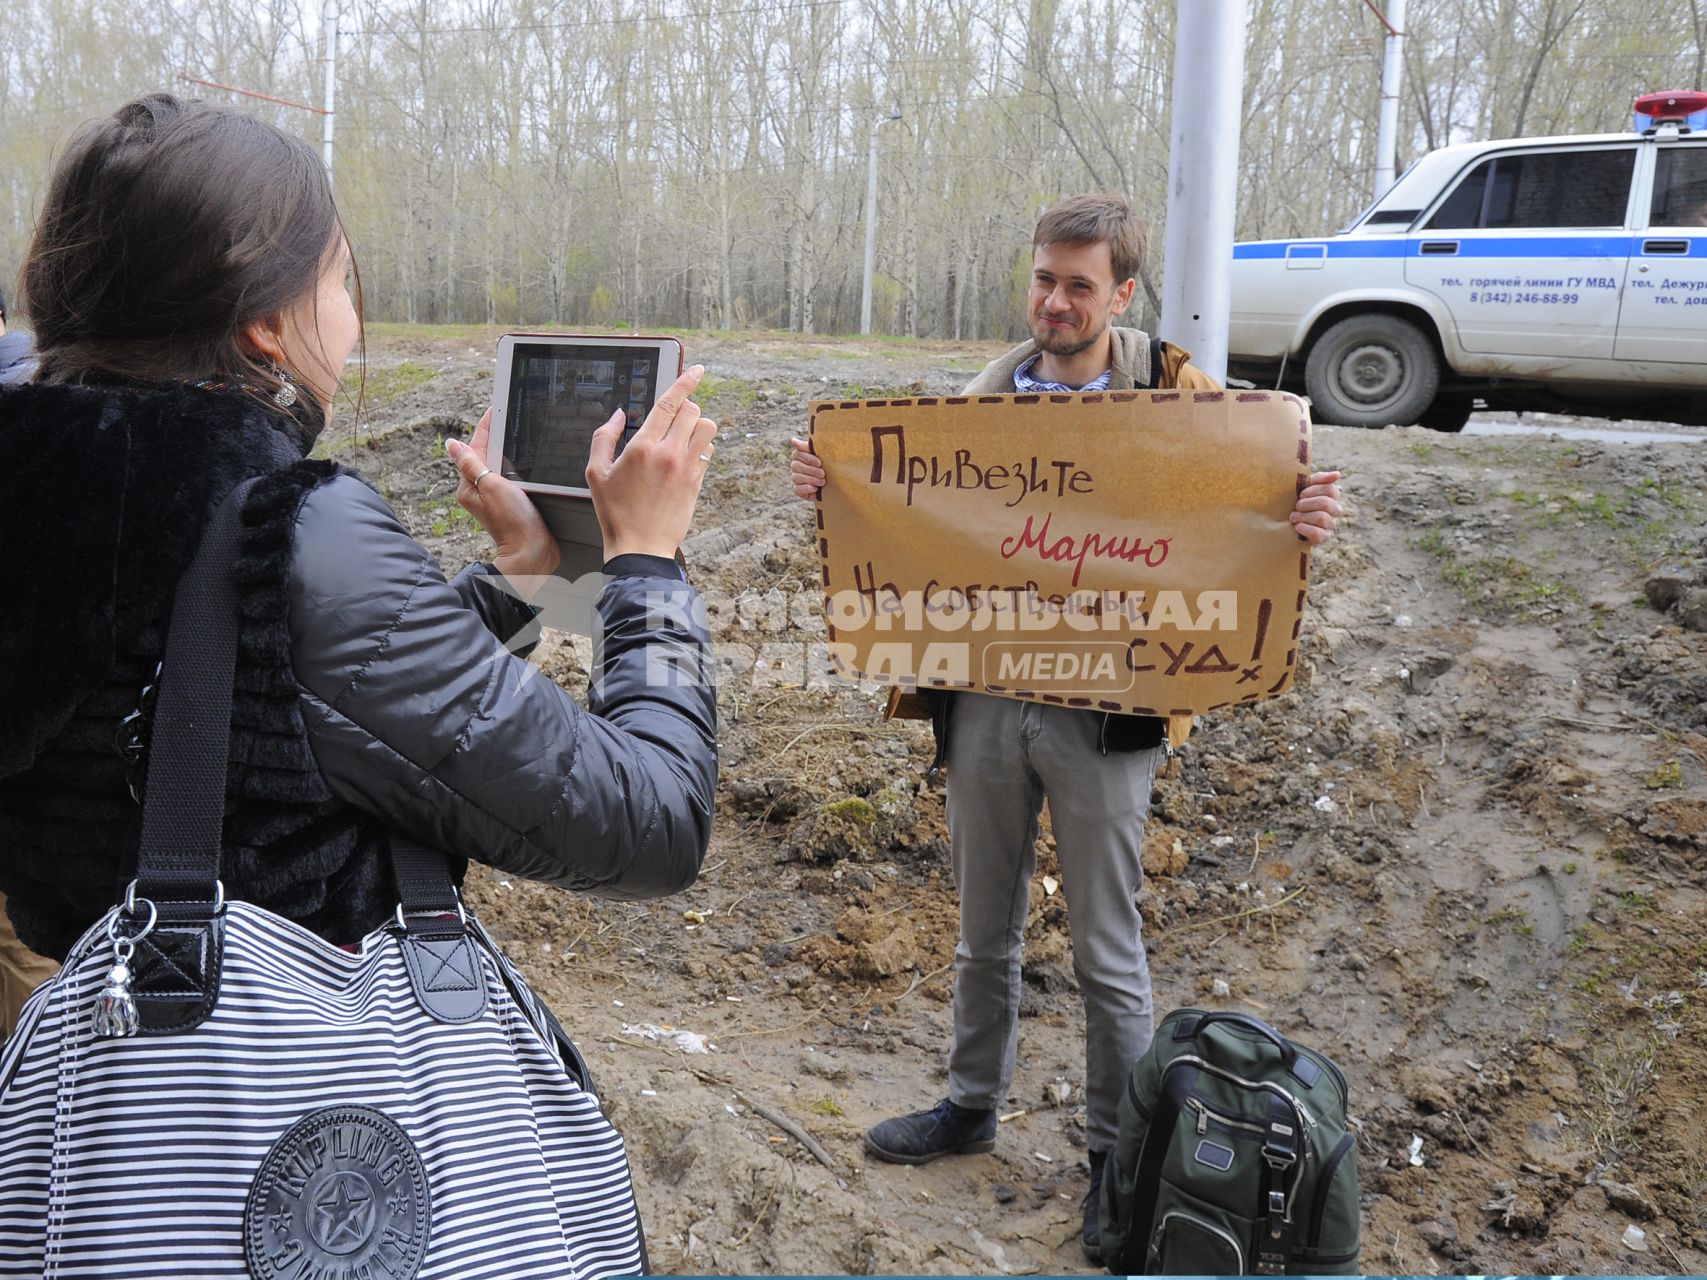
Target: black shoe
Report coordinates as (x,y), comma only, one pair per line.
(1090,1239)
(944,1130)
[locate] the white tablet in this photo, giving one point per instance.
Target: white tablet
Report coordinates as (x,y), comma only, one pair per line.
(550,392)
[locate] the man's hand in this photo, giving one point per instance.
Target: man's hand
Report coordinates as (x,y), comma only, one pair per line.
(1318,508)
(807,471)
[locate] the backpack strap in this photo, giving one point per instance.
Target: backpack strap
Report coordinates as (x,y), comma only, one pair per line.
(1280,1150)
(1147,1177)
(1155,383)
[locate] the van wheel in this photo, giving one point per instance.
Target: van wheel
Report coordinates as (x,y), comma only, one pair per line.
(1447,413)
(1370,371)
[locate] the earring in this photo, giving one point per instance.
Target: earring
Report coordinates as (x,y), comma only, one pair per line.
(285,396)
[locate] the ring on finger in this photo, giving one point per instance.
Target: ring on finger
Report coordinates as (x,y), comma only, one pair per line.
(477,479)
(705,457)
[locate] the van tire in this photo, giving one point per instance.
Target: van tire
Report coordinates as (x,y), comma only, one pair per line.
(1448,413)
(1372,370)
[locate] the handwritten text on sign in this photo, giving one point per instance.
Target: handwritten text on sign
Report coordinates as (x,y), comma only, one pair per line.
(1127,551)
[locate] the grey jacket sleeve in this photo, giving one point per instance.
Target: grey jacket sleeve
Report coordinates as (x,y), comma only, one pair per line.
(417,715)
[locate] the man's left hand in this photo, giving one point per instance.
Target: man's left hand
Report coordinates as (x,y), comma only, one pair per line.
(1318,508)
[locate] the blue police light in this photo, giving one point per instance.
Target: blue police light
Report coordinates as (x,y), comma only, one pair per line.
(1675,107)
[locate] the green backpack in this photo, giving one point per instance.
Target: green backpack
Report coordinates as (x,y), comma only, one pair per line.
(1233,1156)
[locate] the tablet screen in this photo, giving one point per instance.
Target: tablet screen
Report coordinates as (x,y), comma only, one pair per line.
(560,395)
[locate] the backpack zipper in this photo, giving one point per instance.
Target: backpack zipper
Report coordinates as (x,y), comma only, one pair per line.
(1205,1115)
(1298,1109)
(1292,1098)
(1162,1226)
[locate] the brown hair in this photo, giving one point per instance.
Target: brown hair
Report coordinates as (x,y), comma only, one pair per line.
(1097,220)
(168,228)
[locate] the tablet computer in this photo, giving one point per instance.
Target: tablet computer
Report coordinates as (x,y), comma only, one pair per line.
(550,392)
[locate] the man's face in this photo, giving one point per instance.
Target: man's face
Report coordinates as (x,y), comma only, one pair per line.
(1074,296)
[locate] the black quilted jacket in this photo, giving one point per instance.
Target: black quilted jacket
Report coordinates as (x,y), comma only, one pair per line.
(370,694)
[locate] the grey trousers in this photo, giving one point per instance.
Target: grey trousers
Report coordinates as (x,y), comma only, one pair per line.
(1004,758)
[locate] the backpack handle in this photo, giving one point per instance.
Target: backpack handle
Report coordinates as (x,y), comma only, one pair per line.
(1298,1067)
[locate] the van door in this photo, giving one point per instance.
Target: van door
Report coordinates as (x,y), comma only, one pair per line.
(1528,251)
(1665,293)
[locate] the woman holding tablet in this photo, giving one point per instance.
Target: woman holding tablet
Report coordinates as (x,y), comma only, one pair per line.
(187,284)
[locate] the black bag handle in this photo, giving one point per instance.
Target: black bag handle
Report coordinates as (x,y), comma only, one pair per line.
(1298,1067)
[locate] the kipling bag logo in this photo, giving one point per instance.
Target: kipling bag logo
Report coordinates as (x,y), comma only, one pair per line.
(341,1196)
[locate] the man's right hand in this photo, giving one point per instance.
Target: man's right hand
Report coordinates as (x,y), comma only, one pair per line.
(807,471)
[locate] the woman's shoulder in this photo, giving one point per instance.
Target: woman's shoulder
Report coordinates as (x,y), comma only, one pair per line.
(351,557)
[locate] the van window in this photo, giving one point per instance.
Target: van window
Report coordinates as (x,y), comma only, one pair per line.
(1543,189)
(1680,188)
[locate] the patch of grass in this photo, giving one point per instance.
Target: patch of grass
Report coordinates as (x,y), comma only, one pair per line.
(826,1106)
(1500,585)
(1517,918)
(1637,903)
(1594,984)
(1669,776)
(448,516)
(859,391)
(855,809)
(1616,1085)
(737,391)
(388,384)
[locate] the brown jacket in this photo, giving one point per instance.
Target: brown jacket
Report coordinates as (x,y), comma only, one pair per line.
(21,972)
(1132,351)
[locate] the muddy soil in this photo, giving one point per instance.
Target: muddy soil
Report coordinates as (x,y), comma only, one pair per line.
(1465,857)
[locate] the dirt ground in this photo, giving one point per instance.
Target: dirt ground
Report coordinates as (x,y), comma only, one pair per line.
(1465,857)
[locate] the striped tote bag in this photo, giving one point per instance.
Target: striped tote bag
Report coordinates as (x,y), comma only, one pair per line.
(207,1089)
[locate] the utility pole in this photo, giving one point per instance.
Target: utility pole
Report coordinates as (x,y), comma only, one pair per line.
(871,224)
(1203,167)
(1392,66)
(329,35)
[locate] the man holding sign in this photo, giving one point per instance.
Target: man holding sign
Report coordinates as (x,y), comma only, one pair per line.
(1005,755)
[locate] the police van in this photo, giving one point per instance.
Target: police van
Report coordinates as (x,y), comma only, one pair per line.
(1560,274)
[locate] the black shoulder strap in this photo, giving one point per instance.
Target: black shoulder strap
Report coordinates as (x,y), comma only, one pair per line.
(183,821)
(183,812)
(183,817)
(1156,345)
(1147,1177)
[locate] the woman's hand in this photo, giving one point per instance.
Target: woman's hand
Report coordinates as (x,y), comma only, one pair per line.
(1318,508)
(645,499)
(805,469)
(525,546)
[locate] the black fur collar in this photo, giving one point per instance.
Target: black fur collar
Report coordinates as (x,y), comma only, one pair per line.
(107,492)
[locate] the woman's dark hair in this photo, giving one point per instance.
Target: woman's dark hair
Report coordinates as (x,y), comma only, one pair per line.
(168,228)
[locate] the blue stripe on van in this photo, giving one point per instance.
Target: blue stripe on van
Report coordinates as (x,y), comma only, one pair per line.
(1607,246)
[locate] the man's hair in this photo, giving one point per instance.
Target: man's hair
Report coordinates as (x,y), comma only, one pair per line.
(1104,219)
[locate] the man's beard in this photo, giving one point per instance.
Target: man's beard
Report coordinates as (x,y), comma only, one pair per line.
(1061,344)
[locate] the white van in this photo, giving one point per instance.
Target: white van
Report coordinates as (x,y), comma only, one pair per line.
(1559,274)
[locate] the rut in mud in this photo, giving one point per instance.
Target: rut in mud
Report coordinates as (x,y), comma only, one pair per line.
(1465,857)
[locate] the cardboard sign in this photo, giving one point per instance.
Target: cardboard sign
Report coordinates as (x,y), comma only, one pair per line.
(1128,551)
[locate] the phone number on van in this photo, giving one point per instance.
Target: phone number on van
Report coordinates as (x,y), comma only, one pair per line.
(1543,298)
